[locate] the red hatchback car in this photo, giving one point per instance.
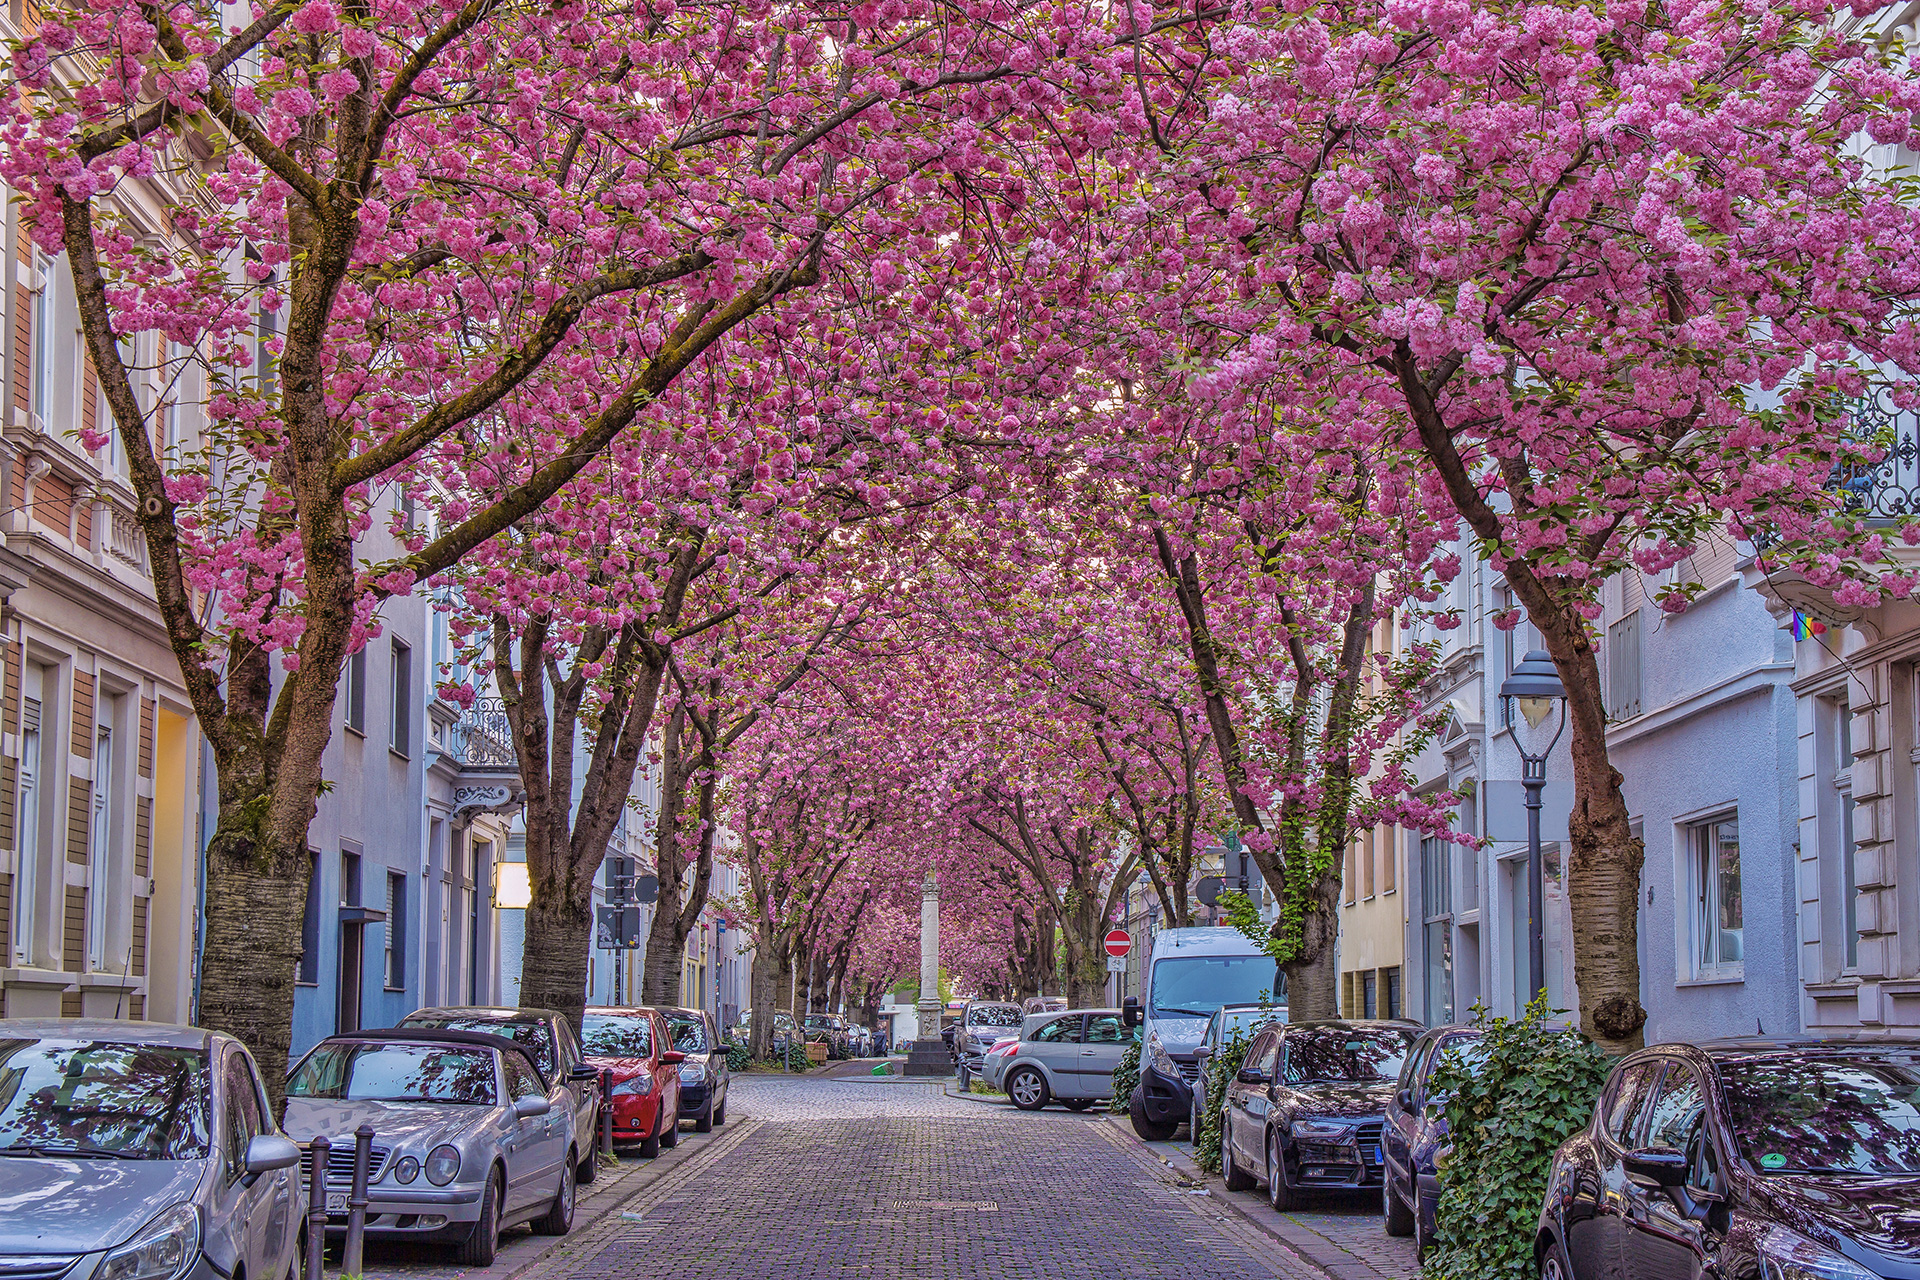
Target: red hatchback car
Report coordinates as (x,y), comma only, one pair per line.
(637,1047)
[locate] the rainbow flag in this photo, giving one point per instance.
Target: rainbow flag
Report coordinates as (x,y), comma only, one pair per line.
(1803,626)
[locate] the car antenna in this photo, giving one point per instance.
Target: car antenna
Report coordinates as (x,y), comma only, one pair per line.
(125,969)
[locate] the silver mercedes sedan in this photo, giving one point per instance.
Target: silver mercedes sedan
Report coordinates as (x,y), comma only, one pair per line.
(466,1140)
(138,1151)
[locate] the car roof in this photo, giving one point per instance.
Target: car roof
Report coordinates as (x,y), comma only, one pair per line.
(163,1034)
(1746,1046)
(1357,1024)
(425,1035)
(494,1012)
(1204,940)
(682,1010)
(605,1009)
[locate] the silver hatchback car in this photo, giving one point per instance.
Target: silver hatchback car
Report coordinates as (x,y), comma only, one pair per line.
(139,1151)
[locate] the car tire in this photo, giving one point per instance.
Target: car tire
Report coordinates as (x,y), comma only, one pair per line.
(1236,1178)
(1281,1196)
(651,1146)
(479,1248)
(720,1112)
(558,1219)
(1553,1262)
(670,1131)
(587,1167)
(1147,1129)
(1028,1089)
(1399,1218)
(703,1123)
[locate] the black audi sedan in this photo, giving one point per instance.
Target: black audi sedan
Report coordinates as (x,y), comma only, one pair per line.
(1784,1159)
(1306,1110)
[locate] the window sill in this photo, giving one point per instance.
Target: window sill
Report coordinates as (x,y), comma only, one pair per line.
(1718,980)
(395,751)
(355,730)
(301,982)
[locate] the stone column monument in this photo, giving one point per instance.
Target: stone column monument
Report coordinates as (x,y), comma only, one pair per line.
(929,1056)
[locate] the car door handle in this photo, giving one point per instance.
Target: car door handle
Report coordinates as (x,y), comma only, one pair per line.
(1088,1053)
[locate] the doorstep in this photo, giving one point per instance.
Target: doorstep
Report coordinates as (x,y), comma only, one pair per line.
(1322,1251)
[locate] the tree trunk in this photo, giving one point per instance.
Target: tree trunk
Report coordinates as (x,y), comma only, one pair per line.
(1313,981)
(765,978)
(559,938)
(252,950)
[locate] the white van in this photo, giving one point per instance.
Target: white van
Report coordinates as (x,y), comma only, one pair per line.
(1192,973)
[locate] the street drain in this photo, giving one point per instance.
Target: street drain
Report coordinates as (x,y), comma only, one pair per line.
(947,1206)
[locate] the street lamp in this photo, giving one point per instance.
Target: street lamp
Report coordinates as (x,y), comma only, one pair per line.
(1535,691)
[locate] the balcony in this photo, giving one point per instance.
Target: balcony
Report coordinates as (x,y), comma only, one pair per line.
(478,741)
(482,738)
(1888,489)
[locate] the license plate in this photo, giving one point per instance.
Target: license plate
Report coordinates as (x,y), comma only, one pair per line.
(1374,1157)
(336,1202)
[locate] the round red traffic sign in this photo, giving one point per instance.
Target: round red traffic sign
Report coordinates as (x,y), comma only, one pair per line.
(1119,942)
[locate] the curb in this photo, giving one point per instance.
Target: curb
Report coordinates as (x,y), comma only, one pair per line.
(1310,1245)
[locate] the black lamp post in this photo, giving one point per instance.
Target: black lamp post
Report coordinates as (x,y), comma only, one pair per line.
(1535,691)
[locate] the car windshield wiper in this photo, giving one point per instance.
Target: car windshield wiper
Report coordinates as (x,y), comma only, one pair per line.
(43,1149)
(1191,1013)
(1845,1171)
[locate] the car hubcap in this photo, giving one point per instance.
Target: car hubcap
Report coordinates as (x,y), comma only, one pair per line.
(1026,1089)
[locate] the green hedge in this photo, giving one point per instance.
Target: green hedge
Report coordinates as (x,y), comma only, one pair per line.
(1125,1077)
(1221,1069)
(1534,1087)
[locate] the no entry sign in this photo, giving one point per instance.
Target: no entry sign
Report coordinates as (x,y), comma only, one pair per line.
(1119,942)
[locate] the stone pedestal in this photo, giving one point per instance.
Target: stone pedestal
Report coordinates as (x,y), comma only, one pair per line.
(929,1056)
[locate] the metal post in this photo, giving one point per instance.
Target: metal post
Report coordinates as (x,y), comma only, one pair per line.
(1535,778)
(316,1206)
(357,1202)
(606,1110)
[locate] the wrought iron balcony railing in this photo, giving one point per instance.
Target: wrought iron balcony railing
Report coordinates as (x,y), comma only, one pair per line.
(483,737)
(1890,488)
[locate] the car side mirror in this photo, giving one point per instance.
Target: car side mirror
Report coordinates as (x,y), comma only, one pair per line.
(1204,1051)
(582,1074)
(1655,1167)
(672,1056)
(1404,1100)
(1253,1075)
(1131,1015)
(528,1108)
(269,1151)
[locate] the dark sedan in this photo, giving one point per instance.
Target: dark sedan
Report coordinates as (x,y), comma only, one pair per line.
(1305,1112)
(703,1068)
(1415,1133)
(1788,1159)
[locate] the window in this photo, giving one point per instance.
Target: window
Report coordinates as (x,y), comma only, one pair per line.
(1623,668)
(309,971)
(1627,1101)
(1366,862)
(1105,1028)
(396,930)
(521,1081)
(242,1115)
(26,882)
(1676,1112)
(349,879)
(357,692)
(40,336)
(1059,1031)
(1369,995)
(1390,978)
(1436,882)
(1714,848)
(1350,874)
(402,698)
(100,869)
(1389,859)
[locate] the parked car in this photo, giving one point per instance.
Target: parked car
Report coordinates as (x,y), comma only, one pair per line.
(1228,1023)
(467,1137)
(829,1029)
(1043,1004)
(981,1024)
(550,1038)
(1192,972)
(1307,1108)
(1067,1058)
(703,1068)
(133,1143)
(1415,1134)
(785,1030)
(635,1045)
(1782,1158)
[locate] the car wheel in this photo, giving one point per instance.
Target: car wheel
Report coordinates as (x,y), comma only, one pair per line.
(1028,1089)
(670,1131)
(704,1122)
(1236,1178)
(651,1147)
(720,1112)
(1399,1218)
(1194,1121)
(1279,1194)
(558,1219)
(1553,1262)
(478,1249)
(587,1167)
(1147,1129)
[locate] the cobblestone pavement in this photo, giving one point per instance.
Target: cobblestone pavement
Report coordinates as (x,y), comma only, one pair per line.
(831,1179)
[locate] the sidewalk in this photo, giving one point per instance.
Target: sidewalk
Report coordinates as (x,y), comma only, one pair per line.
(1342,1238)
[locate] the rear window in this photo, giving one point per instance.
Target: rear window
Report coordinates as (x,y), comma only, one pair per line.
(689,1034)
(994,1015)
(531,1032)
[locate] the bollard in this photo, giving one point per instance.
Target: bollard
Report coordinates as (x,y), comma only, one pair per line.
(606,1111)
(316,1206)
(357,1201)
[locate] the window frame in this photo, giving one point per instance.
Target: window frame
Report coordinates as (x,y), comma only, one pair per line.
(1703,902)
(400,698)
(396,935)
(354,699)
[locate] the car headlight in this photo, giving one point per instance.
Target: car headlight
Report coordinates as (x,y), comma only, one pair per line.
(692,1073)
(1158,1057)
(1320,1130)
(161,1250)
(638,1082)
(443,1165)
(1788,1255)
(406,1169)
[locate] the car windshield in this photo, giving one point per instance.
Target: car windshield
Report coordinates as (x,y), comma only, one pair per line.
(1803,1114)
(102,1098)
(689,1034)
(1194,986)
(994,1015)
(616,1035)
(818,1020)
(1241,1023)
(1332,1054)
(531,1032)
(358,1071)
